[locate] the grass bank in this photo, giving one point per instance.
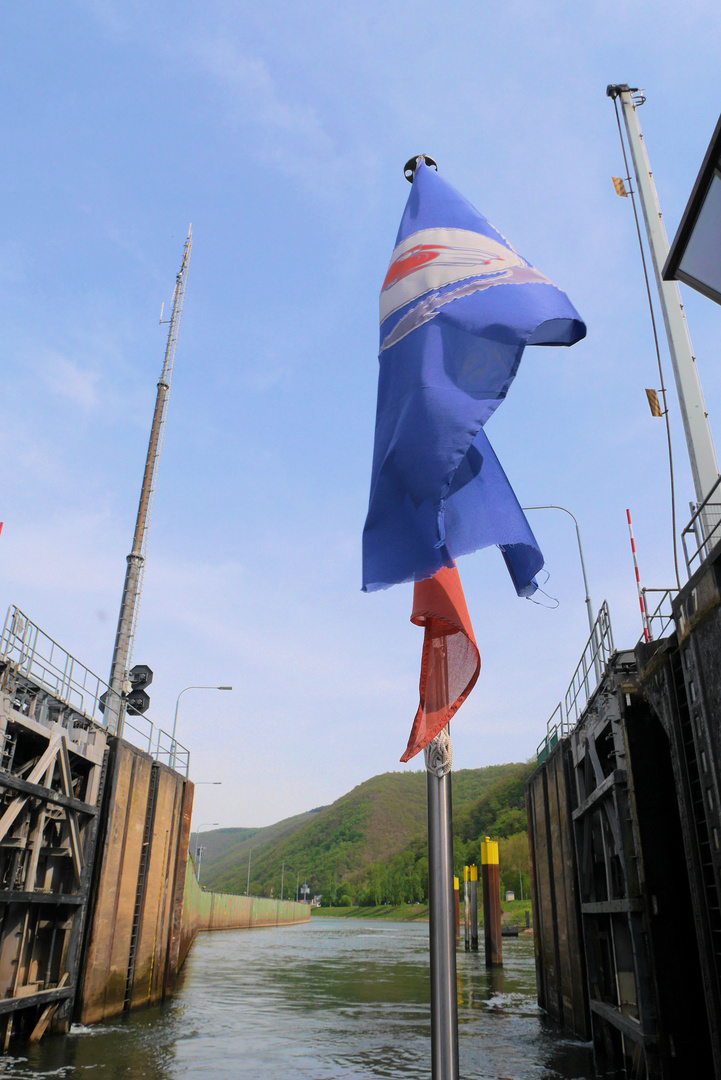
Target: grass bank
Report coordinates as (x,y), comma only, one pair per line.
(400,913)
(513,913)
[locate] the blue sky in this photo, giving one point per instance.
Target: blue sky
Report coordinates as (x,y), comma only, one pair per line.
(280,131)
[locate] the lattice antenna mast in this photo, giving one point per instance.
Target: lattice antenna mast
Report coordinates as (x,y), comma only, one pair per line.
(115,705)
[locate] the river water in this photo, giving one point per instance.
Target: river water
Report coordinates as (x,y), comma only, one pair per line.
(335,999)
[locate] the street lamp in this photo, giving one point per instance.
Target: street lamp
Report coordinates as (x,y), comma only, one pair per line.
(589,605)
(175,718)
(198,848)
(520,878)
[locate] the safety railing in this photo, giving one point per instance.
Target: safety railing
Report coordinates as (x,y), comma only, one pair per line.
(589,672)
(69,682)
(660,620)
(587,676)
(555,730)
(47,663)
(703,530)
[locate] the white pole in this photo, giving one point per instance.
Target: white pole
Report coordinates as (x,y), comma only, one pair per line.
(701,451)
(644,618)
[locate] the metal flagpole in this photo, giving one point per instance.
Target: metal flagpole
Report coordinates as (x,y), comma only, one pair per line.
(115,703)
(444,1001)
(688,386)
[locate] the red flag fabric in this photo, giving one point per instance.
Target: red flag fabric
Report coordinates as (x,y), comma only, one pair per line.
(450,663)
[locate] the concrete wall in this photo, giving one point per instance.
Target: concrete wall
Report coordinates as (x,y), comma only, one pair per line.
(560,967)
(142,850)
(219,911)
(146,904)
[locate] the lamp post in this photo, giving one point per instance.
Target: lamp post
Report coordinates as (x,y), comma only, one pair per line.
(520,879)
(198,848)
(175,718)
(595,643)
(589,605)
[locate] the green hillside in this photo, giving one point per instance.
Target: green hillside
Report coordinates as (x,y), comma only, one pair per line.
(369,845)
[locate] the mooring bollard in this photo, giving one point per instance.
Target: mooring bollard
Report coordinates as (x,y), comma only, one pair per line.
(457,911)
(491,903)
(474,908)
(466,912)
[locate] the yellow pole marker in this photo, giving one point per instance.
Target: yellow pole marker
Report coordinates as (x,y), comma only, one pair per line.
(474,908)
(457,910)
(490,872)
(466,912)
(489,852)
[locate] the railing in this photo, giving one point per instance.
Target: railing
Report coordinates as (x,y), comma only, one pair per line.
(37,655)
(589,672)
(661,618)
(705,529)
(587,676)
(555,730)
(50,666)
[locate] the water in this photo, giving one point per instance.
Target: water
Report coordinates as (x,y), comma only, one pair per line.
(335,999)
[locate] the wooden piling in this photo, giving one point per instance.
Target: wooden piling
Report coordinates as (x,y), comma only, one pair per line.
(466,912)
(457,910)
(474,908)
(491,903)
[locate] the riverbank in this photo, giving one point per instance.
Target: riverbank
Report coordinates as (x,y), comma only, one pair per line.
(398,913)
(513,913)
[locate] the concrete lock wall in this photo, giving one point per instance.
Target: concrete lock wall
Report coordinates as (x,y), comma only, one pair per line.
(142,849)
(220,911)
(560,968)
(146,903)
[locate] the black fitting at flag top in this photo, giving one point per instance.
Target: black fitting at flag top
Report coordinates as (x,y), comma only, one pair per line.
(411,165)
(614,89)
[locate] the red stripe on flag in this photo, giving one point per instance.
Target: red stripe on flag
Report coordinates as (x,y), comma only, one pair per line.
(450,663)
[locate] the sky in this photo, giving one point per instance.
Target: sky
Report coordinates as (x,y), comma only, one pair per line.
(280,131)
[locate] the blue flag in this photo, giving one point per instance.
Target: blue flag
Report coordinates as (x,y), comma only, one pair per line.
(457,308)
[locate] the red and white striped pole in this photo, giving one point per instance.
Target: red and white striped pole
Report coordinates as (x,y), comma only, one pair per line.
(644,618)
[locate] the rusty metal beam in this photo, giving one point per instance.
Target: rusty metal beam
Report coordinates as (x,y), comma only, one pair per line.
(21,896)
(38,792)
(43,997)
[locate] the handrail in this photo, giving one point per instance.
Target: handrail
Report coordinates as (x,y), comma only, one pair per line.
(659,621)
(51,667)
(703,529)
(589,671)
(588,675)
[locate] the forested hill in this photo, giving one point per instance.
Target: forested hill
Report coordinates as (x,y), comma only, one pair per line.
(369,845)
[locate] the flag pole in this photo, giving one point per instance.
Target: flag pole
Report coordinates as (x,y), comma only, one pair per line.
(444,1001)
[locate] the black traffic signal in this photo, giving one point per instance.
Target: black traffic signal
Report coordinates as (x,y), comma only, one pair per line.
(138,700)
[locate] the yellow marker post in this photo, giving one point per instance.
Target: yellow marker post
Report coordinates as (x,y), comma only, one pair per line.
(456,910)
(466,912)
(490,872)
(474,908)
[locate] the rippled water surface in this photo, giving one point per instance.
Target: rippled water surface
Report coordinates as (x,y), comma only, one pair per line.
(334,999)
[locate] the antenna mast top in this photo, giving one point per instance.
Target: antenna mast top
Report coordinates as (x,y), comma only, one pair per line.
(115,706)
